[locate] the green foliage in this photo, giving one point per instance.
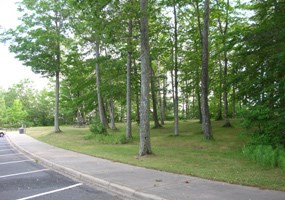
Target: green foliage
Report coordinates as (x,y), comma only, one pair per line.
(16,114)
(266,155)
(111,138)
(265,124)
(97,128)
(281,160)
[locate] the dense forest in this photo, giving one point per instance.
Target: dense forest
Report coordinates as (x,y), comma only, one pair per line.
(136,61)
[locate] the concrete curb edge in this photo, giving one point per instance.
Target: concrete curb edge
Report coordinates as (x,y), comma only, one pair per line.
(120,190)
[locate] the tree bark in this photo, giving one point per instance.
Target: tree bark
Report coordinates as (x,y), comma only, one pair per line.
(102,115)
(199,106)
(196,5)
(225,71)
(56,113)
(129,67)
(58,59)
(164,103)
(159,93)
(145,146)
(112,114)
(176,117)
(219,114)
(225,94)
(137,97)
(154,99)
(206,122)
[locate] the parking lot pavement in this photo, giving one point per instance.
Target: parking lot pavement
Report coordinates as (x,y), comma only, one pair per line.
(23,178)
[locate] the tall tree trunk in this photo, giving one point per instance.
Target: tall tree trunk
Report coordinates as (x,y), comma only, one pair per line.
(164,99)
(112,113)
(196,5)
(137,96)
(58,59)
(193,103)
(154,100)
(219,114)
(225,94)
(206,122)
(225,84)
(145,147)
(199,106)
(129,67)
(176,117)
(187,103)
(102,114)
(234,101)
(161,108)
(56,113)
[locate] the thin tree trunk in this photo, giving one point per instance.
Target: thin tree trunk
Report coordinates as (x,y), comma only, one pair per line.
(225,73)
(176,117)
(102,115)
(206,123)
(129,67)
(172,87)
(56,113)
(58,59)
(193,104)
(187,102)
(145,147)
(161,109)
(112,114)
(199,106)
(219,114)
(225,95)
(154,100)
(196,2)
(164,103)
(137,96)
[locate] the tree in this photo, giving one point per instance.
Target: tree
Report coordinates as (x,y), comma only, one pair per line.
(39,40)
(176,118)
(206,122)
(145,147)
(223,29)
(16,114)
(129,67)
(261,60)
(2,110)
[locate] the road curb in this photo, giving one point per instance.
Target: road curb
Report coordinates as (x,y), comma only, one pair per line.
(122,191)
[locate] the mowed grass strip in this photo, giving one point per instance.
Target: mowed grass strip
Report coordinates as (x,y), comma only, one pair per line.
(187,154)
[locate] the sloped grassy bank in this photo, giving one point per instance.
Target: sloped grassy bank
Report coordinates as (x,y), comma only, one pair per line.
(188,153)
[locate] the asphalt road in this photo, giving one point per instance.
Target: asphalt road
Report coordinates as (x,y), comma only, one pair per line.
(23,178)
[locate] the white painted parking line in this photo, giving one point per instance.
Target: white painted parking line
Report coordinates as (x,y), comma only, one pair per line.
(50,192)
(24,173)
(13,162)
(11,154)
(6,149)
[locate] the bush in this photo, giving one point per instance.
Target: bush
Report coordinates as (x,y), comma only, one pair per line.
(281,160)
(268,126)
(96,127)
(108,138)
(266,155)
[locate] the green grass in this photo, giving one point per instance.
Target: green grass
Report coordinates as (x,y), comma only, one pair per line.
(188,153)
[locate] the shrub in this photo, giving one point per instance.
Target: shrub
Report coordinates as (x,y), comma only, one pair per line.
(96,127)
(108,138)
(281,158)
(266,155)
(268,126)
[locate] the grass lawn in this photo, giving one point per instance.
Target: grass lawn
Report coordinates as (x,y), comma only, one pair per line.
(186,154)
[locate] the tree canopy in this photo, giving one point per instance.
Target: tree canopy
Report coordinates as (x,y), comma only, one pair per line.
(207,59)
